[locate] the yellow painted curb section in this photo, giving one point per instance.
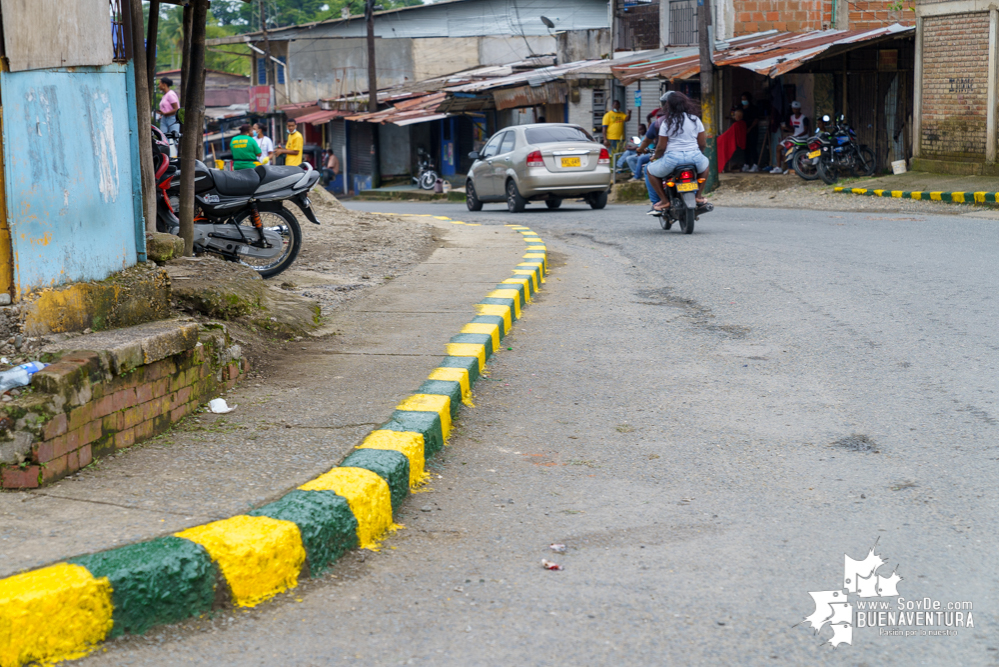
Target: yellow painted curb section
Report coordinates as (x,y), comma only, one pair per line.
(838,189)
(440,217)
(859,191)
(405,442)
(55,613)
(497,310)
(459,375)
(896,193)
(879,193)
(957,197)
(526,282)
(507,294)
(540,272)
(468,350)
(539,255)
(482,328)
(259,556)
(935,196)
(979,197)
(434,402)
(532,275)
(368,496)
(916,195)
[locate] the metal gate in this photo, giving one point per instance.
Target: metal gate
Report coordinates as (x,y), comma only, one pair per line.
(682,22)
(360,148)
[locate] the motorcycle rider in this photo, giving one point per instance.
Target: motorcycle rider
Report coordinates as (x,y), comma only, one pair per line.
(681,140)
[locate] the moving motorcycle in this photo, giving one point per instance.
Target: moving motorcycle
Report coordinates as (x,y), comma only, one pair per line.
(238,215)
(426,176)
(681,188)
(840,151)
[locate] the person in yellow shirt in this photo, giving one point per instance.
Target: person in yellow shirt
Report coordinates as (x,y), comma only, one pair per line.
(613,123)
(294,147)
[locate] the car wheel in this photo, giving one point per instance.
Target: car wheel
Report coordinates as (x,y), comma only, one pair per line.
(597,200)
(553,202)
(514,202)
(471,199)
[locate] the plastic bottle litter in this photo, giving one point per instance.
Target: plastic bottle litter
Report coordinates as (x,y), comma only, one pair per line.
(549,565)
(19,376)
(220,407)
(557,548)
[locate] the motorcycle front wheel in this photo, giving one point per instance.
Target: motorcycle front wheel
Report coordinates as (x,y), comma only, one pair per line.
(827,172)
(803,166)
(285,224)
(428,180)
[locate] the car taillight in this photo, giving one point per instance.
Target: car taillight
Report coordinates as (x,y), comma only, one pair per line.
(604,157)
(686,175)
(534,159)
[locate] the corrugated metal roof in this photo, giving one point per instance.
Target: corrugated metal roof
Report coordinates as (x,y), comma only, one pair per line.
(453,18)
(320,117)
(770,54)
(416,110)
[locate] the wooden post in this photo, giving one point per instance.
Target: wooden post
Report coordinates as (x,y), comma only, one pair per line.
(143,116)
(369,17)
(709,115)
(193,114)
(154,27)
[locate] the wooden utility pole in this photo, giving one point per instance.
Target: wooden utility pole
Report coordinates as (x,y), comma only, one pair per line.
(185,58)
(269,72)
(154,26)
(193,120)
(709,114)
(143,115)
(369,18)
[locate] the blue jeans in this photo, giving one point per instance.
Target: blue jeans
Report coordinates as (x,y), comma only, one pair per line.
(653,197)
(636,162)
(665,165)
(622,160)
(169,123)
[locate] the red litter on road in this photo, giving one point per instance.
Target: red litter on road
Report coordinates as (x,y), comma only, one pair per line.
(548,565)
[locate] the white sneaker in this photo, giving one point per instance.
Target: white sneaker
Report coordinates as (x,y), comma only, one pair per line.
(776,170)
(754,169)
(745,168)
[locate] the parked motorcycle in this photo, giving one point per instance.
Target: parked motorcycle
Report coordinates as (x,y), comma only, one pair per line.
(426,176)
(238,215)
(681,189)
(841,152)
(796,154)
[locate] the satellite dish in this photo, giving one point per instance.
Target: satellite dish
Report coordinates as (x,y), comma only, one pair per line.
(548,22)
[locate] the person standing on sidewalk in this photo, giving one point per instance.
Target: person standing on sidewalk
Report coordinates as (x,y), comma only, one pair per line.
(169,106)
(294,147)
(266,145)
(613,126)
(752,120)
(245,150)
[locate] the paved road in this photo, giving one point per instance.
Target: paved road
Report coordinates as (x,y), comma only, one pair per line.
(669,410)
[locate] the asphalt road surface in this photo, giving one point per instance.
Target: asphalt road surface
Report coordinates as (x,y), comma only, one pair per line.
(709,423)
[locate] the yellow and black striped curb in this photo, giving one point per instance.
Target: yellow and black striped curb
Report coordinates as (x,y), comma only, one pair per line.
(957,197)
(62,611)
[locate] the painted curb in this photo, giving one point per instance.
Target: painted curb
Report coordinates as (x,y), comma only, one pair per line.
(62,611)
(956,197)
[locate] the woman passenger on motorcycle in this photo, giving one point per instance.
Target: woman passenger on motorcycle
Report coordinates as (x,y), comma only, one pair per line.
(681,141)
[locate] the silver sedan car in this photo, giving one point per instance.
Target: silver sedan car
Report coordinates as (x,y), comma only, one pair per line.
(540,162)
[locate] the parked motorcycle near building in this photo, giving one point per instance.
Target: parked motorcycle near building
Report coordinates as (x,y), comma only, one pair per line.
(238,215)
(426,176)
(841,152)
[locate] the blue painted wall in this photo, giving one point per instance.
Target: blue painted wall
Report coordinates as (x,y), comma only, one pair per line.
(69,162)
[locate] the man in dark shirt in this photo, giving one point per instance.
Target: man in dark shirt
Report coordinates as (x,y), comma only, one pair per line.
(751,116)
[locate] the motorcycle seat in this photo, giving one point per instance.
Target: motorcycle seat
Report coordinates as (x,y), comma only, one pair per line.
(239,182)
(269,174)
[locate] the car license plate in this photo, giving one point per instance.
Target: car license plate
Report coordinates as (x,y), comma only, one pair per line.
(572,162)
(815,153)
(686,187)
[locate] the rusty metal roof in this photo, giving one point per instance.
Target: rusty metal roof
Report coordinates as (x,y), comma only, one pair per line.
(771,54)
(407,112)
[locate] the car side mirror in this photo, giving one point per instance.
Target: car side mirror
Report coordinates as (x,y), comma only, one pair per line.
(474,155)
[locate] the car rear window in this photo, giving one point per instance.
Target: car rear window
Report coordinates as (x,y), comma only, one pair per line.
(556,133)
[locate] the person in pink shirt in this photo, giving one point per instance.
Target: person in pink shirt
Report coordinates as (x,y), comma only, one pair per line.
(169,105)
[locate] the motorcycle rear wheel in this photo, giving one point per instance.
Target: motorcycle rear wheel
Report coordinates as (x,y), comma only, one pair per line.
(864,163)
(428,180)
(291,234)
(827,172)
(803,166)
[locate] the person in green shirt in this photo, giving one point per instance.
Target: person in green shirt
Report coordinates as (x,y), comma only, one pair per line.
(245,149)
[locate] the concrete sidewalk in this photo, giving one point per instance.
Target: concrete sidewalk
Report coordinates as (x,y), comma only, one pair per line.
(928,187)
(321,397)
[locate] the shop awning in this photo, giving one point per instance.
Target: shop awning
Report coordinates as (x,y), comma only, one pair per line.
(321,117)
(770,54)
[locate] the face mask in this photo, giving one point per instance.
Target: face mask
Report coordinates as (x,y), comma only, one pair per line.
(745,103)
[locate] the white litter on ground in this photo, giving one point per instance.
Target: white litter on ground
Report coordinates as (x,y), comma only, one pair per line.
(220,407)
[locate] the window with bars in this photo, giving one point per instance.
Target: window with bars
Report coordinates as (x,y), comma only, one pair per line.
(262,70)
(118,34)
(682,22)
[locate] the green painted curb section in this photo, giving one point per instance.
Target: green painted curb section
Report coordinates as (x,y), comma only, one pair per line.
(169,579)
(471,364)
(445,388)
(324,519)
(955,197)
(483,319)
(390,465)
(476,339)
(162,581)
(427,424)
